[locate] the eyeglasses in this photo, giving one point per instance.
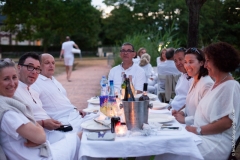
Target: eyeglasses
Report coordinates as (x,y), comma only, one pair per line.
(31,68)
(126,51)
(181,49)
(7,62)
(192,50)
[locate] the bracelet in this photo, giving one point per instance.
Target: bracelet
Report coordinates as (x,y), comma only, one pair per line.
(43,123)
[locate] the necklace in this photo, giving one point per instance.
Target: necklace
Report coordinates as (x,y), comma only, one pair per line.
(216,84)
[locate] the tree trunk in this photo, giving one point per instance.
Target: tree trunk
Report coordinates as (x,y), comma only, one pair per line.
(194,7)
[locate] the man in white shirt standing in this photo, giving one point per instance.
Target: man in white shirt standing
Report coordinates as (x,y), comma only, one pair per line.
(54,97)
(68,55)
(168,67)
(129,68)
(184,80)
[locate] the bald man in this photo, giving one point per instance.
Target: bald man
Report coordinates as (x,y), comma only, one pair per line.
(53,95)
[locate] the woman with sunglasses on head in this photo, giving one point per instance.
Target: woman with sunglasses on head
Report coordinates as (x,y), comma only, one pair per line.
(194,65)
(217,118)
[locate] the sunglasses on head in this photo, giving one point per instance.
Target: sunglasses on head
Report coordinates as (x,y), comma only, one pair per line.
(192,50)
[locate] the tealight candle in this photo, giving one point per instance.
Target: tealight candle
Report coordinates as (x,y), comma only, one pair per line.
(121,130)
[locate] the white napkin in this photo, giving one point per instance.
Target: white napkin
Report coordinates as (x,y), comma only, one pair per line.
(106,123)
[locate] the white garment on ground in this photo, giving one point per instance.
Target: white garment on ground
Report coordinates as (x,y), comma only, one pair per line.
(29,96)
(217,103)
(12,142)
(181,91)
(136,60)
(55,102)
(68,55)
(167,68)
(138,76)
(195,94)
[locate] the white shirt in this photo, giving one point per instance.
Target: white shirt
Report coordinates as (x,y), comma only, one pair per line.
(159,61)
(148,71)
(217,103)
(181,91)
(167,68)
(12,142)
(67,47)
(55,102)
(138,76)
(195,94)
(136,60)
(29,96)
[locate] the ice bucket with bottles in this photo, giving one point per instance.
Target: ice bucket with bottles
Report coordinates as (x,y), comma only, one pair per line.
(136,113)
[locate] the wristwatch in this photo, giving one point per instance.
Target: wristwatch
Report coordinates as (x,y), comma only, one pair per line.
(199,130)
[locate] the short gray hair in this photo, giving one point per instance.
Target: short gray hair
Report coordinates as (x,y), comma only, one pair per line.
(6,62)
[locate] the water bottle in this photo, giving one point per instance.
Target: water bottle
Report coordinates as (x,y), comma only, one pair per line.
(104,87)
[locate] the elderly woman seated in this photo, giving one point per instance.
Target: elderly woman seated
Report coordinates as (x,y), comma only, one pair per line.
(217,120)
(21,137)
(150,75)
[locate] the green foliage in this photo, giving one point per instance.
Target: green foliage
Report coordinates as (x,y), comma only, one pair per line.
(152,41)
(53,20)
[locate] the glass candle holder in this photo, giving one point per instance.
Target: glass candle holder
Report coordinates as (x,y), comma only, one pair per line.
(121,130)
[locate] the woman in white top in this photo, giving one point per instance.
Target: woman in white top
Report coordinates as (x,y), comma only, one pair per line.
(217,118)
(21,136)
(150,75)
(140,52)
(162,58)
(194,65)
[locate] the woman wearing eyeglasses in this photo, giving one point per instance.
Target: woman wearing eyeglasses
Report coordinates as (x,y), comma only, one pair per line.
(194,65)
(217,118)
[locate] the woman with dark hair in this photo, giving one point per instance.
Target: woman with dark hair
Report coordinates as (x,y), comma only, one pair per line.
(194,65)
(217,120)
(162,58)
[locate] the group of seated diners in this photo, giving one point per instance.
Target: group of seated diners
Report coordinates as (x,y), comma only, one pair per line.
(34,104)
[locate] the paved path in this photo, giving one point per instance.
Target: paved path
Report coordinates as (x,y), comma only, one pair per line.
(85,80)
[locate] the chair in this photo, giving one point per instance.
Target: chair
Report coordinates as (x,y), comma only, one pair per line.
(169,82)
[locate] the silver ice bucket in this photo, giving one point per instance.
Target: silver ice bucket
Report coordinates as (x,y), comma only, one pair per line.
(136,113)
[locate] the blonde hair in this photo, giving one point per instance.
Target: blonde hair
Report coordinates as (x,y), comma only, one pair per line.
(140,49)
(145,59)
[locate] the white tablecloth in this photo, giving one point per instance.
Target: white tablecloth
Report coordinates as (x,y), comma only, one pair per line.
(168,144)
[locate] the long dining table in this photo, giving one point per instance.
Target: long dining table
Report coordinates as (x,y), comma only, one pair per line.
(166,144)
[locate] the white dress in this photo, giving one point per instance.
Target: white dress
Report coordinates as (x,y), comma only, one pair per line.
(195,94)
(217,103)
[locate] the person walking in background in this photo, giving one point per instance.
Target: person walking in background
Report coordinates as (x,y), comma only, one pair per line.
(66,52)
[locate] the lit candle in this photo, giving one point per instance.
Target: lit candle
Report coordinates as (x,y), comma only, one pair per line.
(121,130)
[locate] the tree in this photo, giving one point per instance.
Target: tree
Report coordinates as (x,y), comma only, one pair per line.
(194,7)
(52,20)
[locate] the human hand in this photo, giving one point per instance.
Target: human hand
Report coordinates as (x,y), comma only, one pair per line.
(191,129)
(51,124)
(180,118)
(81,112)
(30,144)
(174,112)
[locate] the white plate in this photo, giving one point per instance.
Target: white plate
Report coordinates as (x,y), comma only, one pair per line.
(160,118)
(159,105)
(151,96)
(94,101)
(93,126)
(91,110)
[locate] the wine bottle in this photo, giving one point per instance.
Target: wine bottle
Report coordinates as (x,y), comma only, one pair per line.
(131,84)
(144,96)
(128,92)
(123,86)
